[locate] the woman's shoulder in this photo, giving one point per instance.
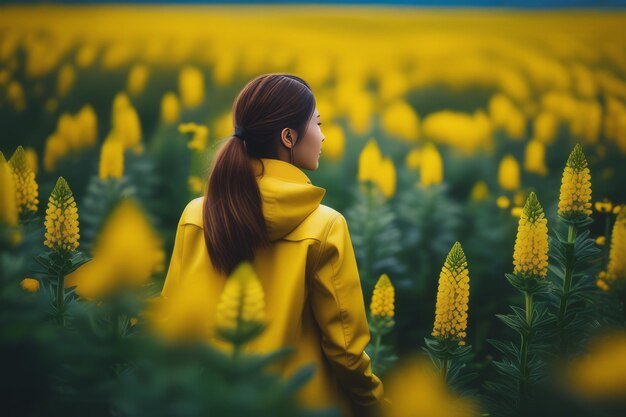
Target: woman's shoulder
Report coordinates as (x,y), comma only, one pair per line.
(316,225)
(192,214)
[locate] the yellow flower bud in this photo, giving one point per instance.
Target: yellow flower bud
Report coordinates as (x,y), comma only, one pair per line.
(111,159)
(452,297)
(575,196)
(25,184)
(8,194)
(530,255)
(61,219)
(242,300)
(509,173)
(191,86)
(431,166)
(382,304)
(30,284)
(170,108)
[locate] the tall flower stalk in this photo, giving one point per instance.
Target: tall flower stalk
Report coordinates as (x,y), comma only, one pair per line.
(61,237)
(614,278)
(382,311)
(575,252)
(450,327)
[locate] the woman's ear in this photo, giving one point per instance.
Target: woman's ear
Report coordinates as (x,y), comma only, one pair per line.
(288,137)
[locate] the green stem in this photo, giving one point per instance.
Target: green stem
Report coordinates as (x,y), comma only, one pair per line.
(523,385)
(567,281)
(607,241)
(61,299)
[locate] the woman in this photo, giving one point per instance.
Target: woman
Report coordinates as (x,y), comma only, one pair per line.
(260,207)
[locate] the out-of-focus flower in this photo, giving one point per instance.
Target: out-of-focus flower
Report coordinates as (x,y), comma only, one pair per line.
(600,374)
(452,297)
(8,194)
(615,276)
(431,166)
(125,254)
(535,157)
(575,196)
(170,108)
(604,206)
(334,142)
(137,79)
(61,219)
(242,299)
(25,184)
(126,124)
(377,169)
(509,173)
(400,120)
(601,240)
(88,125)
(517,211)
(545,127)
(505,115)
(15,95)
(191,86)
(32,160)
(479,191)
(503,202)
(459,130)
(195,184)
(111,159)
(67,75)
(30,284)
(382,304)
(530,255)
(418,375)
(200,135)
(413,159)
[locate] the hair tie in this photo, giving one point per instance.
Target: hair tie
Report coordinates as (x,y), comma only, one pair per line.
(240,132)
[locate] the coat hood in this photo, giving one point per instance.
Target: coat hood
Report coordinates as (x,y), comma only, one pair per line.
(287,193)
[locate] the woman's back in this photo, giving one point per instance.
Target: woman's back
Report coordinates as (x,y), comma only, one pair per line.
(312,289)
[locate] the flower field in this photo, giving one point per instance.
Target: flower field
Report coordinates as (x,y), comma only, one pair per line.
(479,157)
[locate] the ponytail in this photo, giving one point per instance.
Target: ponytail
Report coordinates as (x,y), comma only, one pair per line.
(232,213)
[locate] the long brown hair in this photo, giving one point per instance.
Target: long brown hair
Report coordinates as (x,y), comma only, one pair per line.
(234,226)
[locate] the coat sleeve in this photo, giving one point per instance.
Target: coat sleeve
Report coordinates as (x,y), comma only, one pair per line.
(338,307)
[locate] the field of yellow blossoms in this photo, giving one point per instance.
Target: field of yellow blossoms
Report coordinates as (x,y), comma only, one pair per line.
(479,158)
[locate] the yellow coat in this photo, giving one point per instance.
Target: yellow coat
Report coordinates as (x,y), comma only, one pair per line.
(313,295)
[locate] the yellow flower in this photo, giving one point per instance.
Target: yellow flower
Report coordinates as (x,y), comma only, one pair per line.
(615,277)
(535,157)
(30,284)
(126,124)
(170,108)
(617,209)
(242,300)
(601,374)
(137,78)
(191,86)
(452,297)
(111,159)
(368,161)
(400,120)
(509,173)
(67,75)
(55,149)
(126,253)
(413,159)
(334,143)
(530,255)
(61,219)
(479,191)
(88,125)
(601,240)
(503,202)
(25,184)
(8,195)
(195,184)
(200,135)
(382,304)
(604,206)
(575,196)
(435,399)
(386,177)
(431,166)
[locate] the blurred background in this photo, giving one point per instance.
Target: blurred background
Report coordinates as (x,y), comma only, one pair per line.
(473,105)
